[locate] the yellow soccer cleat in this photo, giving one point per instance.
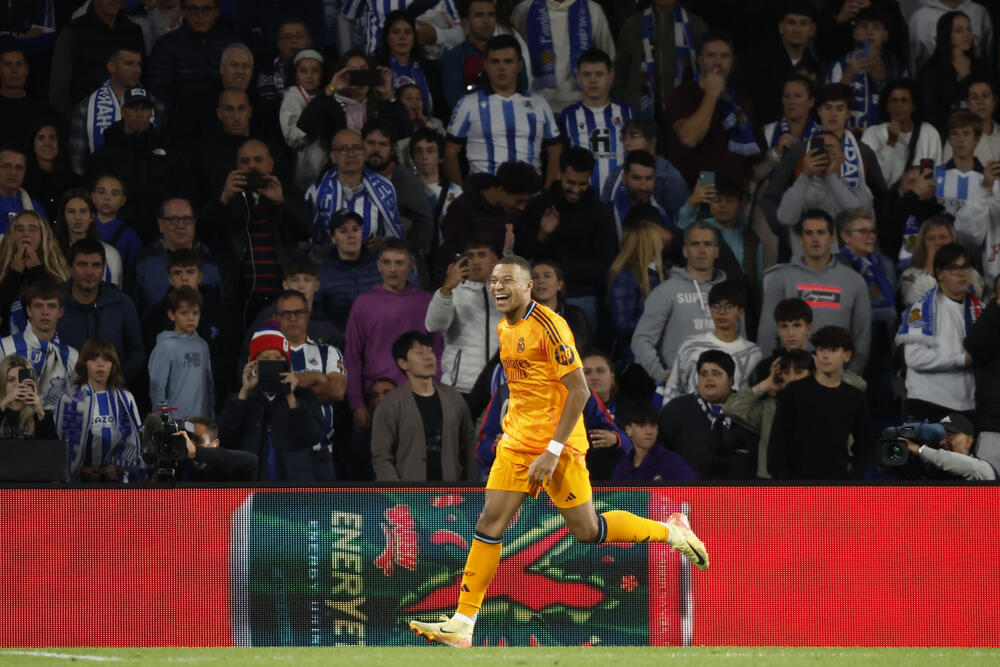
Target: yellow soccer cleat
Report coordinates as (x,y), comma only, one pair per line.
(450,631)
(685,541)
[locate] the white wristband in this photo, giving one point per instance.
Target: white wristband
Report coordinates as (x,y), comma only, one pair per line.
(555,447)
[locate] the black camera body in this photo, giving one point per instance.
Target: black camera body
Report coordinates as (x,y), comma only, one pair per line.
(162,451)
(893,452)
(255,180)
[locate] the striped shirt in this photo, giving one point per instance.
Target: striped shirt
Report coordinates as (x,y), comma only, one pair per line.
(375,12)
(495,129)
(953,186)
(325,359)
(261,268)
(599,131)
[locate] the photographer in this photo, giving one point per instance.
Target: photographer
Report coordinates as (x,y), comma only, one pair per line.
(207,461)
(952,455)
(23,416)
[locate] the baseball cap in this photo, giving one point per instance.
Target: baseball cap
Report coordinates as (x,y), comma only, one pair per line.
(307,53)
(800,8)
(957,423)
(344,215)
(136,96)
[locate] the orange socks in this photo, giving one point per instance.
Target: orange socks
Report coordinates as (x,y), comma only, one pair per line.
(480,568)
(621,526)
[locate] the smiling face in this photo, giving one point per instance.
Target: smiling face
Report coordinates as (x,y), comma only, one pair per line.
(510,285)
(47,143)
(546,283)
(860,237)
(574,184)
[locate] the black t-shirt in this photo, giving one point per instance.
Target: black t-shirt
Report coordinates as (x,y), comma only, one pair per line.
(430,414)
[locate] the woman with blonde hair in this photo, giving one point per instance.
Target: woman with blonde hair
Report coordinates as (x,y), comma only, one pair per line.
(918,278)
(28,252)
(98,418)
(634,273)
(22,414)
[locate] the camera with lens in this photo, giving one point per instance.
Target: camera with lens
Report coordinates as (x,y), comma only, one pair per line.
(893,452)
(162,451)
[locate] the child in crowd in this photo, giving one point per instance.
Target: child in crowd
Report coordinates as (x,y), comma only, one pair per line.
(180,367)
(108,195)
(649,461)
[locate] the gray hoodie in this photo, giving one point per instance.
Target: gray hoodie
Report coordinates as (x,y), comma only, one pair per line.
(468,319)
(837,294)
(180,375)
(675,309)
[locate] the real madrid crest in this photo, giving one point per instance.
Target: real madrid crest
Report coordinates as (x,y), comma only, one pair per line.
(520,344)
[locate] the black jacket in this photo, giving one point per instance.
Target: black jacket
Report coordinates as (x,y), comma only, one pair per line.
(983,343)
(714,452)
(246,425)
(470,215)
(215,157)
(111,317)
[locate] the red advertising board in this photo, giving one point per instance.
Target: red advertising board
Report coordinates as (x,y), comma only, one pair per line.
(813,565)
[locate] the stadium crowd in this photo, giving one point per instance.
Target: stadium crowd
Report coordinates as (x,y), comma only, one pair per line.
(773,227)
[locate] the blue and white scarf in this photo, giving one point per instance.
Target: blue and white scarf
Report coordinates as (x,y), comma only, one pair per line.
(880,290)
(910,231)
(684,55)
(539,29)
(853,168)
(103,110)
(621,205)
(381,217)
(119,445)
(411,73)
(735,121)
(811,129)
(919,321)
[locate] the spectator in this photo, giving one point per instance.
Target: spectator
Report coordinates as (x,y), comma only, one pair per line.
(796,122)
(726,202)
(913,203)
(793,322)
(902,140)
(463,311)
(50,359)
(356,462)
(982,99)
(158,21)
(349,184)
(958,178)
(48,174)
(710,126)
(694,426)
(866,70)
(498,124)
(148,282)
(678,307)
(837,295)
(422,431)
(946,75)
(835,30)
(310,158)
(978,222)
(22,414)
(253,228)
(557,35)
(918,277)
(293,39)
(982,343)
(634,274)
(184,71)
(636,186)
(207,461)
(236,69)
(656,54)
(96,309)
(98,418)
(549,289)
(489,207)
(302,275)
(816,415)
(926,29)
(596,123)
(401,53)
(28,254)
(280,425)
(180,366)
(14,198)
(939,377)
(18,109)
(649,460)
(348,270)
(859,251)
(75,220)
(753,407)
(80,56)
(103,107)
(109,195)
(727,303)
(411,99)
(568,224)
(669,188)
(609,444)
(426,149)
(377,318)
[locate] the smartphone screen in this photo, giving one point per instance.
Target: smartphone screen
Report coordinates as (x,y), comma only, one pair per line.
(817,144)
(706,178)
(864,46)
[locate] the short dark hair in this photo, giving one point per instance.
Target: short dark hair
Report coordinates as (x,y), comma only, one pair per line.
(964,118)
(465,5)
(813,214)
(647,127)
(789,310)
(720,359)
(395,245)
(501,43)
(427,134)
(800,8)
(641,412)
(177,296)
(702,226)
(795,77)
(716,36)
(642,158)
(644,213)
(833,338)
(578,159)
(185,257)
(211,428)
(730,291)
(516,260)
(477,241)
(118,47)
(301,265)
(291,294)
(947,254)
(402,345)
(15,148)
(379,125)
(42,289)
(109,174)
(86,246)
(518,178)
(834,92)
(727,188)
(594,56)
(798,360)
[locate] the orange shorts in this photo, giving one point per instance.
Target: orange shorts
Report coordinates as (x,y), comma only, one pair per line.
(569,486)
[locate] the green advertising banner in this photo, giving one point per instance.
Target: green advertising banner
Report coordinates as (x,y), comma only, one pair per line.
(332,568)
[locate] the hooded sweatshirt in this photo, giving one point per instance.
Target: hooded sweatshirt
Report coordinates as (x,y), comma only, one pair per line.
(676,309)
(837,294)
(468,319)
(923,28)
(180,375)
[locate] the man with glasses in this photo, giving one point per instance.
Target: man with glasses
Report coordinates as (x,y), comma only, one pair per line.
(350,185)
(149,282)
(184,71)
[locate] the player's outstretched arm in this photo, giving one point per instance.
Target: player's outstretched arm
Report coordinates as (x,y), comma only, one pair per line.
(541,469)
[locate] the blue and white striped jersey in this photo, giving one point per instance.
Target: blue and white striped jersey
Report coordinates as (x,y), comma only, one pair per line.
(600,132)
(374,14)
(312,356)
(953,186)
(496,129)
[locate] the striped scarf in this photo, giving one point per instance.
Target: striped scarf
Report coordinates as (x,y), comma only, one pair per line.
(853,168)
(381,212)
(919,321)
(736,122)
(781,129)
(879,288)
(539,33)
(684,55)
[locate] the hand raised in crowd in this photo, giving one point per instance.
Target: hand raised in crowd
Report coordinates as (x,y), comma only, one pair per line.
(25,257)
(850,8)
(857,63)
(991,172)
(236,182)
(702,194)
(895,129)
(249,379)
(548,223)
(815,163)
(835,156)
(713,83)
(784,142)
(458,271)
(602,437)
(340,79)
(384,91)
(273,190)
(508,239)
(292,382)
(28,392)
(773,383)
(426,33)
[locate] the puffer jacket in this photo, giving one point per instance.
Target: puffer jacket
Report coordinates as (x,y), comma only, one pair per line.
(468,320)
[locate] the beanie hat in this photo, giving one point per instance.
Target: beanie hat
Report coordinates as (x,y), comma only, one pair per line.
(269,338)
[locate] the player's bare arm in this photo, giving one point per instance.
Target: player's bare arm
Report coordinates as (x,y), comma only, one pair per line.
(541,469)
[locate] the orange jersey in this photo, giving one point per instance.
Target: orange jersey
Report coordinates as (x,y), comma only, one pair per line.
(536,353)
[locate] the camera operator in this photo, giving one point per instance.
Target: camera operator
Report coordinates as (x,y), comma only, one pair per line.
(953,455)
(207,461)
(22,415)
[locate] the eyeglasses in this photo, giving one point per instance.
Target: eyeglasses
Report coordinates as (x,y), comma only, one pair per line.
(958,268)
(723,307)
(867,231)
(204,10)
(348,149)
(177,220)
(290,314)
